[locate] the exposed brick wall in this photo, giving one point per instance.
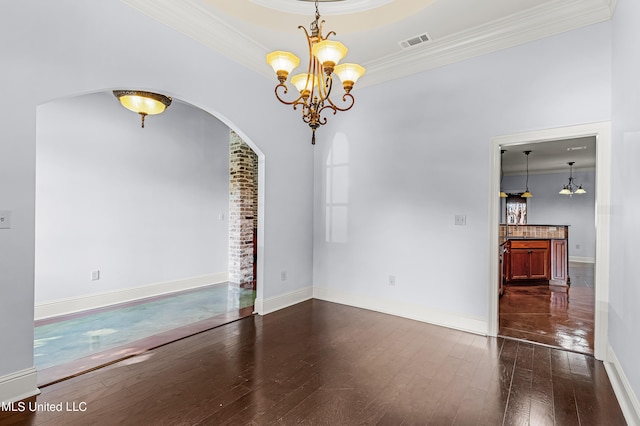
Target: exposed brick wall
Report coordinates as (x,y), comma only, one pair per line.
(243,211)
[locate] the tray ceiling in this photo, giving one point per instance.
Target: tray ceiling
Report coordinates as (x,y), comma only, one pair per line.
(246,30)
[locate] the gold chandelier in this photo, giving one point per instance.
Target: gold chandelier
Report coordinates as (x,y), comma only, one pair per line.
(315,85)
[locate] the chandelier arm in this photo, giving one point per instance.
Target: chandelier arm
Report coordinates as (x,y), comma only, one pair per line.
(312,62)
(284,92)
(331,107)
(344,99)
(305,31)
(324,87)
(320,119)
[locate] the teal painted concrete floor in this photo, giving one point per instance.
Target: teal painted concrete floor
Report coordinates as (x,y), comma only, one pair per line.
(66,339)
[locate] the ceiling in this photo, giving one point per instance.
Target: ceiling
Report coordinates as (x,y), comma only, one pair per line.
(551,156)
(246,30)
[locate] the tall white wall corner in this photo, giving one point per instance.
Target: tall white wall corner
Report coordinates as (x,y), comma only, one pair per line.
(628,400)
(19,385)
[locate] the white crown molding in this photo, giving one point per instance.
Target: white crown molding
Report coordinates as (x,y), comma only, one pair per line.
(193,18)
(536,23)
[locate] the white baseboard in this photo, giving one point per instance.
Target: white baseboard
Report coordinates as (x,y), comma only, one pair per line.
(19,385)
(579,259)
(93,301)
(276,303)
(622,388)
(402,309)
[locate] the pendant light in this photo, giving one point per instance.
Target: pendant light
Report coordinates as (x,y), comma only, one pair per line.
(526,193)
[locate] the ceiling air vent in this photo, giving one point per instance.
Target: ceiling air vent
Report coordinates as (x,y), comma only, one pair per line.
(414,41)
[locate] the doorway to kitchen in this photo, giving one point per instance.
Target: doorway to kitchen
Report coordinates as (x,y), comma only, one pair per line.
(541,306)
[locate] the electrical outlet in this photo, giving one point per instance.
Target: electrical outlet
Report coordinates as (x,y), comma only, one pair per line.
(392,280)
(5,219)
(95,275)
(283,275)
(461,220)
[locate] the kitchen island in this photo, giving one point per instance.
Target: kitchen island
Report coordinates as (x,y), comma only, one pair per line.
(535,254)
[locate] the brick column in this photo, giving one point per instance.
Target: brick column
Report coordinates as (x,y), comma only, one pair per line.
(243,211)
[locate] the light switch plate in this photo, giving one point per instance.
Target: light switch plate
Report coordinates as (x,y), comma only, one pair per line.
(5,219)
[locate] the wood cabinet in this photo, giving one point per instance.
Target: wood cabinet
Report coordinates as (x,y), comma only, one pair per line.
(536,260)
(528,260)
(559,266)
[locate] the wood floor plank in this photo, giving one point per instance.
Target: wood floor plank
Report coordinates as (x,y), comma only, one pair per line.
(518,409)
(564,401)
(551,315)
(541,413)
(321,363)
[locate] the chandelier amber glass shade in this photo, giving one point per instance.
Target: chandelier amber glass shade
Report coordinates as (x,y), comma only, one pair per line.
(282,62)
(304,82)
(329,53)
(316,84)
(349,74)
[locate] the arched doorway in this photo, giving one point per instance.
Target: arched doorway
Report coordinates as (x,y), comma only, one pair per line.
(128,216)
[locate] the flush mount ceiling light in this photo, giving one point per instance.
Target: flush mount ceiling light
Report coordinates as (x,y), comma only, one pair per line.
(572,188)
(315,85)
(144,103)
(526,193)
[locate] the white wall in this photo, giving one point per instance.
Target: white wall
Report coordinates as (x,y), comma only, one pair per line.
(420,153)
(139,205)
(547,207)
(53,50)
(624,309)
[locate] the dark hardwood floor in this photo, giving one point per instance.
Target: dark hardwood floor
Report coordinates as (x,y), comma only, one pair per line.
(320,363)
(552,315)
